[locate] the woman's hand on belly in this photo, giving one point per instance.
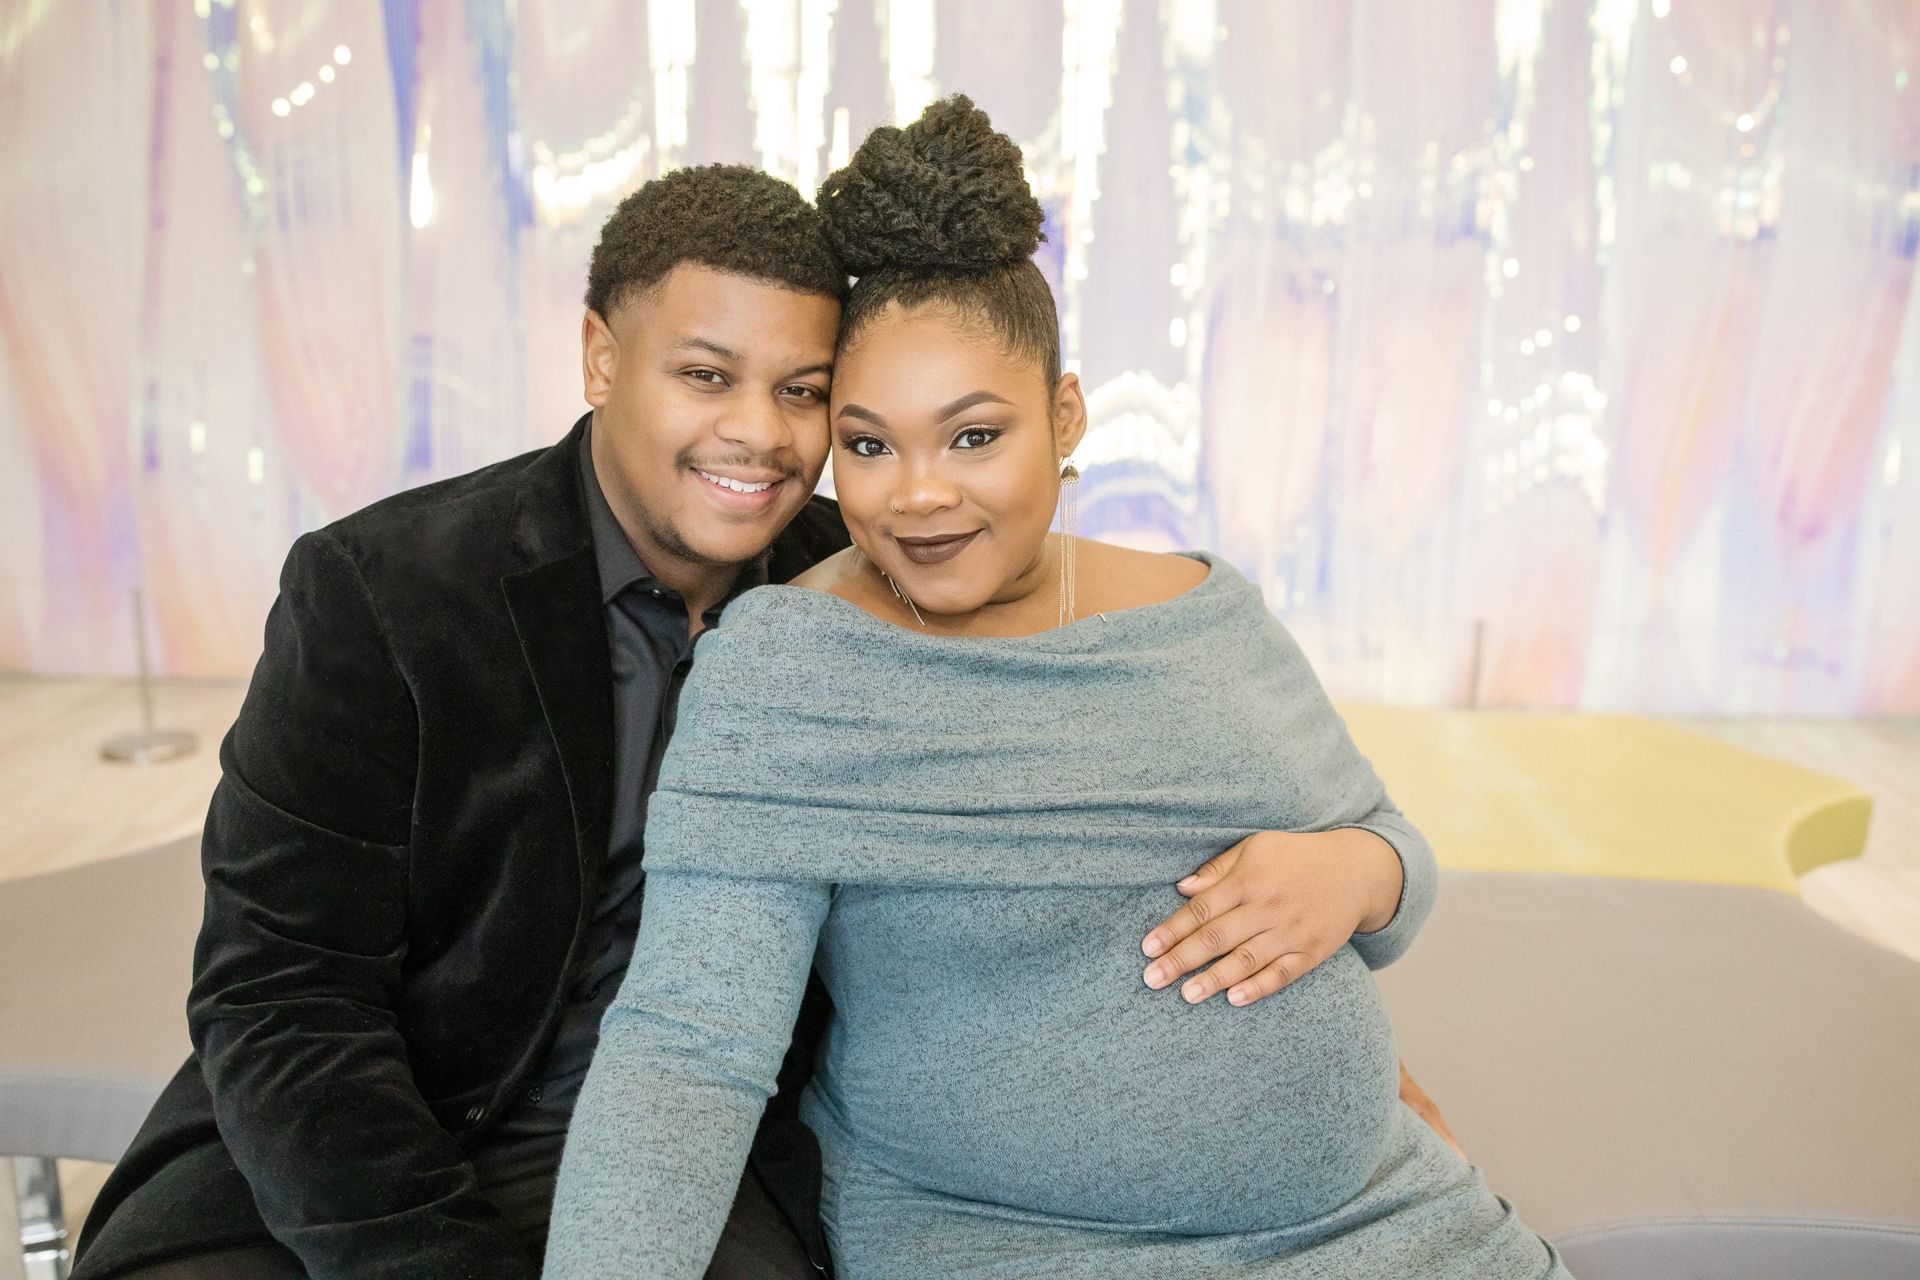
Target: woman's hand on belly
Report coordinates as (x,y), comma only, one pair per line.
(1272,908)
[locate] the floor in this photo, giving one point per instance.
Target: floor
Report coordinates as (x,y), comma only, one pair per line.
(66,806)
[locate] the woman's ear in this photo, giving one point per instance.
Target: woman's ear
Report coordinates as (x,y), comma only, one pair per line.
(1069,414)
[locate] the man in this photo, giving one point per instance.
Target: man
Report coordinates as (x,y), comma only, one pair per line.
(423,861)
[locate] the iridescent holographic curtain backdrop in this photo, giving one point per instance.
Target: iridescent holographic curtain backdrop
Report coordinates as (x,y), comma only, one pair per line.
(1526,352)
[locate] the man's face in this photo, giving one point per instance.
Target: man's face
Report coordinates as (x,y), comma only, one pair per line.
(710,412)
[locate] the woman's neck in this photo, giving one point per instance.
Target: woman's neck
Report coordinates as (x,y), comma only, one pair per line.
(1024,606)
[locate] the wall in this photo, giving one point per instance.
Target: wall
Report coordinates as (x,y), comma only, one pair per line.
(1526,352)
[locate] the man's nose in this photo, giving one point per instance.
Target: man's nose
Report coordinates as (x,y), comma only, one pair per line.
(757,425)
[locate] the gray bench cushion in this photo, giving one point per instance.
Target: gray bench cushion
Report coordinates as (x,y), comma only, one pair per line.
(1666,1079)
(94,967)
(1673,1079)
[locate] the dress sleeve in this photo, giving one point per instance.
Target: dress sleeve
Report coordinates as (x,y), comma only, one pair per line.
(689,1053)
(1419,881)
(1342,789)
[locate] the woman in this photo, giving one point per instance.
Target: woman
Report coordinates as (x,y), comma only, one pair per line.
(1012,743)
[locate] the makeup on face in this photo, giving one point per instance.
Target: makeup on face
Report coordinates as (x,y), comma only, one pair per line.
(945,461)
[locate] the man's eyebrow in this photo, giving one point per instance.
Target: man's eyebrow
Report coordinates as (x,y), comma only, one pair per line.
(969,400)
(824,366)
(708,345)
(864,414)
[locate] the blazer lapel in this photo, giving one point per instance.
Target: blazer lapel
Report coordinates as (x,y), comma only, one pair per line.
(555,603)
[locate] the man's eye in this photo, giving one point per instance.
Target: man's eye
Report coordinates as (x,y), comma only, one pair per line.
(801,391)
(708,376)
(865,447)
(976,437)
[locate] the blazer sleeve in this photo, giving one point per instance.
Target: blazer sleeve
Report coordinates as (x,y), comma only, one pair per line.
(298,965)
(689,1053)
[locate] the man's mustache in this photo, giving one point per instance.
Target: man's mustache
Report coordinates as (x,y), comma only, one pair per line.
(786,466)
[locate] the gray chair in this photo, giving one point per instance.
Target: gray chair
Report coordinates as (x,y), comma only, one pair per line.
(1673,1080)
(94,968)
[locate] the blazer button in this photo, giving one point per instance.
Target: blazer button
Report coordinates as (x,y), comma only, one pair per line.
(535,1093)
(475,1114)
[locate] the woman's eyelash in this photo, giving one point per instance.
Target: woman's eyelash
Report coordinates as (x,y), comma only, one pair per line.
(855,444)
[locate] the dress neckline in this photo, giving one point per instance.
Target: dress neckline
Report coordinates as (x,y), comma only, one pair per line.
(1080,634)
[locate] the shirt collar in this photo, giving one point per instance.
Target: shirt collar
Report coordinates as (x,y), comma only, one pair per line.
(620,565)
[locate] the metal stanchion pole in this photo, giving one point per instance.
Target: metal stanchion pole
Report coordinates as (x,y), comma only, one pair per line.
(151,745)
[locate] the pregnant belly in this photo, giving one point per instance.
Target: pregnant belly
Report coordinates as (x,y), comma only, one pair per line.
(1009,1053)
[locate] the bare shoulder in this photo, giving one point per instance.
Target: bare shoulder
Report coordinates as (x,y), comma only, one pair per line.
(834,575)
(1111,577)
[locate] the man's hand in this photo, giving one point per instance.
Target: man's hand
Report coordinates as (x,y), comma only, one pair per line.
(1416,1097)
(1270,909)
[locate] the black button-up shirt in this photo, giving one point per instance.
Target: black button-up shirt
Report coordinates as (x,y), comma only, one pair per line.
(652,652)
(647,633)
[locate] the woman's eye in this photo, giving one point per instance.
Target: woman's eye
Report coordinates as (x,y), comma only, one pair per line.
(976,437)
(865,447)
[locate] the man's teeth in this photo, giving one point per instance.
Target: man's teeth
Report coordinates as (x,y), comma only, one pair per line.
(738,486)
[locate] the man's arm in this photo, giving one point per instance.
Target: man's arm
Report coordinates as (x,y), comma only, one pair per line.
(298,967)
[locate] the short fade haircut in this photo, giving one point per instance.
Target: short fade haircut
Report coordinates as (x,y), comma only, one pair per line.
(726,216)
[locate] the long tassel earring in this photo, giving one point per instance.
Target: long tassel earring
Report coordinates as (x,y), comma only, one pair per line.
(1069,519)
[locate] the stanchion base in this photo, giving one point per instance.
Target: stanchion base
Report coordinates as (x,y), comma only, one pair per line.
(151,747)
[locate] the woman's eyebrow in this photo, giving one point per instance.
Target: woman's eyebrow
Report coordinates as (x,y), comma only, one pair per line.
(864,414)
(968,401)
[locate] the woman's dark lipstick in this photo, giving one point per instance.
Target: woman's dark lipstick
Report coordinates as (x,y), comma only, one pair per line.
(935,550)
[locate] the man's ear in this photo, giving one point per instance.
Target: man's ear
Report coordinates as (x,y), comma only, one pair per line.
(1069,414)
(599,358)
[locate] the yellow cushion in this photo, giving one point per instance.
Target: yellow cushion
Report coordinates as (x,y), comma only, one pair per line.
(1607,796)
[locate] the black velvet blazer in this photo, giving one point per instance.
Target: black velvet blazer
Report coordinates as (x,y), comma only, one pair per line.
(399,858)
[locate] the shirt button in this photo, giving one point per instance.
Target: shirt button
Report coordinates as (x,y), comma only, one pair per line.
(535,1093)
(476,1114)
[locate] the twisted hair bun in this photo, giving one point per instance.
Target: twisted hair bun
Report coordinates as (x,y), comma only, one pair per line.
(945,194)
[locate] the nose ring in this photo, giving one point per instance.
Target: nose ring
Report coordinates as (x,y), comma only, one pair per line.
(896,510)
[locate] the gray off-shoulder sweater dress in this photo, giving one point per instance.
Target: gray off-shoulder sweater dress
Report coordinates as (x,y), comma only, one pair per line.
(970,837)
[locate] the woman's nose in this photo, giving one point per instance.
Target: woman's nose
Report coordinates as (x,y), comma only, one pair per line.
(924,493)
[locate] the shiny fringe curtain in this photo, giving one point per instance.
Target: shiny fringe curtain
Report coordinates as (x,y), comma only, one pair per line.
(1526,352)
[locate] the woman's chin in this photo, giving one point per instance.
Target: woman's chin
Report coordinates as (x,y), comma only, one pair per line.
(947,603)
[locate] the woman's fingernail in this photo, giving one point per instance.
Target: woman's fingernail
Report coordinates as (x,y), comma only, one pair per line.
(1192,992)
(1156,977)
(1237,996)
(1152,946)
(1188,883)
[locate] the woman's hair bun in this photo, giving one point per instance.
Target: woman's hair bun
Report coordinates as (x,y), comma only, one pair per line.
(946,193)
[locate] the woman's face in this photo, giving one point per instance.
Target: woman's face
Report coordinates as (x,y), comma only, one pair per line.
(946,458)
